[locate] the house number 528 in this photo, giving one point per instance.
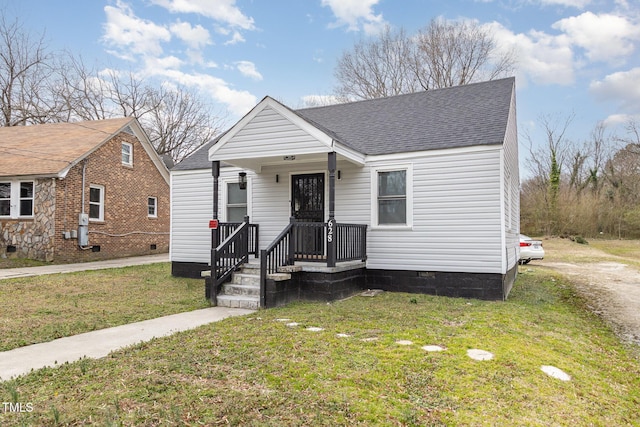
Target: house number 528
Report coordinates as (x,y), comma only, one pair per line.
(330,225)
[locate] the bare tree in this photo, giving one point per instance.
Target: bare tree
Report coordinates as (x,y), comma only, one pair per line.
(451,53)
(179,123)
(377,67)
(443,54)
(547,160)
(24,66)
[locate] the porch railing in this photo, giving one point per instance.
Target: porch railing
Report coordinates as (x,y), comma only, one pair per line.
(225,229)
(239,240)
(307,241)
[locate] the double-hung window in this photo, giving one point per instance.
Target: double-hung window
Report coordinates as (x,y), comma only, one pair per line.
(392,196)
(152,207)
(16,199)
(5,199)
(127,154)
(96,202)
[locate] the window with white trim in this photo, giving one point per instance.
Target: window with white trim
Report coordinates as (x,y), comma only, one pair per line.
(5,199)
(392,196)
(96,202)
(17,199)
(152,207)
(26,198)
(236,202)
(127,154)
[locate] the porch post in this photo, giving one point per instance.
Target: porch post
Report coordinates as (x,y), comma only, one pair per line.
(331,224)
(215,171)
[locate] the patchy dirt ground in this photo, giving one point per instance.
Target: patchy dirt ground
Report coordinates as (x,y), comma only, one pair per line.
(610,283)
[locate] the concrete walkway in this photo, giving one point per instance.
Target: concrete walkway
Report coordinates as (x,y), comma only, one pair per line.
(100,343)
(12,273)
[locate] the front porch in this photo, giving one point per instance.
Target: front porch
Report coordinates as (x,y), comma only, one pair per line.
(307,261)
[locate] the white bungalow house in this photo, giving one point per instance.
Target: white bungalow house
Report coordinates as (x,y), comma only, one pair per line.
(415,193)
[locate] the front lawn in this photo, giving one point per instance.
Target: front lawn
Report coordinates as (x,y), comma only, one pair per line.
(43,308)
(260,370)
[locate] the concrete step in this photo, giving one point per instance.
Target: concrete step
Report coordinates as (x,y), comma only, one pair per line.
(238,289)
(239,301)
(251,268)
(246,279)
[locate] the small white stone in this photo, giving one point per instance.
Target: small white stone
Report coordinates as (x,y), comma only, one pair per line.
(404,342)
(293,324)
(476,354)
(314,329)
(370,339)
(433,348)
(343,335)
(556,373)
(283,320)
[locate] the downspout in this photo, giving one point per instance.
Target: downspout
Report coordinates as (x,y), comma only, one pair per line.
(83,221)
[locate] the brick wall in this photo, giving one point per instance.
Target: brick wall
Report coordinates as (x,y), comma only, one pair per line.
(127,228)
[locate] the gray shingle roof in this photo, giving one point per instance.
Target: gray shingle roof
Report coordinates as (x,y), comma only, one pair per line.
(459,116)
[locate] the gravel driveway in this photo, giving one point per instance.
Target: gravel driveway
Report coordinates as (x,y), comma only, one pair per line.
(610,286)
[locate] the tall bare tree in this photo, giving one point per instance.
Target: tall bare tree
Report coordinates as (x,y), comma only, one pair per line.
(377,67)
(24,66)
(442,54)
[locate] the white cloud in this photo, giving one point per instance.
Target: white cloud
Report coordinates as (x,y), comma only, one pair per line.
(123,30)
(356,14)
(195,37)
(621,87)
(579,4)
(248,69)
(224,11)
(605,37)
(238,102)
(541,58)
(236,38)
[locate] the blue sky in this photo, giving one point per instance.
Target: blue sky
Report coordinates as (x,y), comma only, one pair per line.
(574,56)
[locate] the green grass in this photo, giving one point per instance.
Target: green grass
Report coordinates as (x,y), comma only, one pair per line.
(20,262)
(254,370)
(43,308)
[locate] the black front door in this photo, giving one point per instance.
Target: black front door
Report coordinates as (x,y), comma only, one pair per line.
(307,206)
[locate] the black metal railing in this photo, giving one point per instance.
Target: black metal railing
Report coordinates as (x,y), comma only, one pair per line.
(238,241)
(225,229)
(351,242)
(278,253)
(309,241)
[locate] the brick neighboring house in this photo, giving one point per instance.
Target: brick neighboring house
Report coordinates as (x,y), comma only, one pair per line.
(107,170)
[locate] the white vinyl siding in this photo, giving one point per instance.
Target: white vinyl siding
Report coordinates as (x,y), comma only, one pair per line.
(511,191)
(192,208)
(269,134)
(456,217)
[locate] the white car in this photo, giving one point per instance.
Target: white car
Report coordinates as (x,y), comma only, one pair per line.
(530,249)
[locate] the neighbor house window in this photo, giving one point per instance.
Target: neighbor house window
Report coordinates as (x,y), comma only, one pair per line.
(392,191)
(127,154)
(96,202)
(152,207)
(236,202)
(26,199)
(16,199)
(5,199)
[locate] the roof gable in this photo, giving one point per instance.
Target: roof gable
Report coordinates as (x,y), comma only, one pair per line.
(51,149)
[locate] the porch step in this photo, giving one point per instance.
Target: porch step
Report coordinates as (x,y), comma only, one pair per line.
(250,302)
(244,289)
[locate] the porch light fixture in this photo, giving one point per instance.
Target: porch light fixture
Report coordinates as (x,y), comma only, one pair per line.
(339,175)
(277,178)
(242,176)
